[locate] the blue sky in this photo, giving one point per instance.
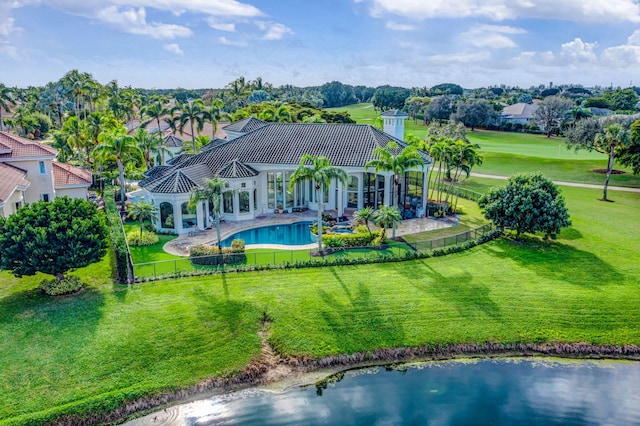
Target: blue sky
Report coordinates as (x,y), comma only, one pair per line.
(208,43)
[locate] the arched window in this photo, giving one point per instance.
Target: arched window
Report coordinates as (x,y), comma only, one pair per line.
(166,215)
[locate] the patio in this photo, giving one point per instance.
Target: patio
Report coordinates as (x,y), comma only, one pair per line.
(180,246)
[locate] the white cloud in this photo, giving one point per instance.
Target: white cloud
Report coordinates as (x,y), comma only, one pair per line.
(275,31)
(220,26)
(399,27)
(499,10)
(459,58)
(135,22)
(578,51)
(173,48)
(491,36)
(227,42)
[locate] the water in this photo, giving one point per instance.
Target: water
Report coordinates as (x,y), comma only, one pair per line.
(483,392)
(295,234)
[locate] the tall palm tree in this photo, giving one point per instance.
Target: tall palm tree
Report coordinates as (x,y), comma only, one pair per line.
(201,141)
(321,173)
(6,101)
(154,111)
(214,114)
(387,217)
(192,113)
(77,136)
(464,156)
(211,190)
(120,148)
(151,145)
(614,135)
(398,164)
(143,210)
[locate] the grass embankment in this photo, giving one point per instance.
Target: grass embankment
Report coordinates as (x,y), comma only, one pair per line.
(109,343)
(506,153)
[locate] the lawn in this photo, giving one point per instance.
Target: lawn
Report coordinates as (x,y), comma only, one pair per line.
(108,343)
(153,253)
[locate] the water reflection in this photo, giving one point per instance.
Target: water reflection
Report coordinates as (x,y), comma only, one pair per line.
(496,392)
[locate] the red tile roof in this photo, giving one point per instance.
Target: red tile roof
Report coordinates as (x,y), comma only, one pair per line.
(12,146)
(10,178)
(65,174)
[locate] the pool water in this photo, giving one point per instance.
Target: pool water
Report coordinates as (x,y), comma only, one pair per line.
(294,234)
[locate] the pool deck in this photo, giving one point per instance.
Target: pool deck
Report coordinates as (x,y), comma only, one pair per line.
(180,246)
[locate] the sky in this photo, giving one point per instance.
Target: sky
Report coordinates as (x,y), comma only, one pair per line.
(409,43)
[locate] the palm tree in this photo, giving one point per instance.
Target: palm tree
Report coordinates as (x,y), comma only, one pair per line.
(150,145)
(614,135)
(117,146)
(364,215)
(387,217)
(280,114)
(214,114)
(77,136)
(211,190)
(201,141)
(62,145)
(463,157)
(192,113)
(155,111)
(6,101)
(321,172)
(143,210)
(398,164)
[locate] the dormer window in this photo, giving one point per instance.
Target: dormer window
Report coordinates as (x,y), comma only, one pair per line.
(42,168)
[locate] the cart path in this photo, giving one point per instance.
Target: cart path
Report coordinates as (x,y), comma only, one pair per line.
(575,184)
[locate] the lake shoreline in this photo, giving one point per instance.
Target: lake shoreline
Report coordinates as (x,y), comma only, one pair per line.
(271,369)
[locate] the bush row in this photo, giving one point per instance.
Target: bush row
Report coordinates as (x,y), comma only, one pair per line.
(116,234)
(202,254)
(146,238)
(352,240)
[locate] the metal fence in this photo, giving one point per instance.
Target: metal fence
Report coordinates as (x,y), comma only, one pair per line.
(278,259)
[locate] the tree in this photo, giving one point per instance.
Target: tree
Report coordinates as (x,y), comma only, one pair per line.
(365,216)
(528,203)
(154,112)
(446,89)
(630,155)
(474,113)
(621,100)
(551,112)
(211,190)
(388,97)
(151,145)
(213,114)
(387,217)
(336,94)
(193,113)
(6,101)
(52,237)
(439,108)
(391,159)
(143,210)
(589,134)
(321,173)
(201,141)
(417,106)
(120,148)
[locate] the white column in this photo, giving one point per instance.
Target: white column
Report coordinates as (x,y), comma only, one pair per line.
(177,216)
(199,215)
(425,190)
(340,205)
(388,190)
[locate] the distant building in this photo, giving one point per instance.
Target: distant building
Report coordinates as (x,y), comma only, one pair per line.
(520,113)
(29,173)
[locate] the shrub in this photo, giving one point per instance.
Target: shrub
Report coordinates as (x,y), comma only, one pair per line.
(237,245)
(361,229)
(137,239)
(333,241)
(211,255)
(116,234)
(56,287)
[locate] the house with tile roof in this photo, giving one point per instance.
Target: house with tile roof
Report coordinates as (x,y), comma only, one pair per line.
(257,159)
(29,173)
(521,113)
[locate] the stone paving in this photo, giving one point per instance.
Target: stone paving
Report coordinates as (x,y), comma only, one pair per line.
(180,246)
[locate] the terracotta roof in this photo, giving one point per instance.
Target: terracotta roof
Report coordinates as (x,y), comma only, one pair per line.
(235,169)
(10,178)
(345,145)
(12,146)
(245,125)
(66,174)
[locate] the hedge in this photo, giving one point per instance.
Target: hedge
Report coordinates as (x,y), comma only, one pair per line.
(117,236)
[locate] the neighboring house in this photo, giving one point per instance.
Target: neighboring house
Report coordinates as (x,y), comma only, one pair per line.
(257,160)
(520,113)
(29,173)
(174,141)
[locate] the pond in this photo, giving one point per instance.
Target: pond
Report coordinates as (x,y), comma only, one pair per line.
(523,391)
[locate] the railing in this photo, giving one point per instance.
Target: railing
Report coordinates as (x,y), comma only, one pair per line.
(464,193)
(279,259)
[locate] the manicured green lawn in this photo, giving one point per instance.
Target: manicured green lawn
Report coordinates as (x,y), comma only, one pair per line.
(109,342)
(151,253)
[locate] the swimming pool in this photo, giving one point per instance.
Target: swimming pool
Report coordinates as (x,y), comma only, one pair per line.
(293,234)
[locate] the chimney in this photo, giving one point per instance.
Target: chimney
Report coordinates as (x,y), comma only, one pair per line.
(393,120)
